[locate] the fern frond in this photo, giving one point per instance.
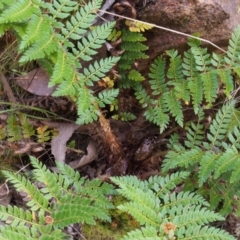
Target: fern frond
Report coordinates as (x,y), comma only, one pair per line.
(180,200)
(49,179)
(195,133)
(202,58)
(62,69)
(142,96)
(37,27)
(226,162)
(162,185)
(88,116)
(175,69)
(234,48)
(135,75)
(193,216)
(132,36)
(184,159)
(37,200)
(210,86)
(99,69)
(196,90)
(234,138)
(17,216)
(174,106)
(227,79)
(158,114)
(107,96)
(203,233)
(84,211)
(60,9)
(94,40)
(207,164)
(144,233)
(81,21)
(21,10)
(220,124)
(12,232)
(157,76)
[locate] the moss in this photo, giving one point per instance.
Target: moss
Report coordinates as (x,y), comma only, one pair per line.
(121,224)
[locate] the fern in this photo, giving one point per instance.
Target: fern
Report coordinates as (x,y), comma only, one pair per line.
(165,215)
(61,34)
(190,79)
(64,199)
(215,164)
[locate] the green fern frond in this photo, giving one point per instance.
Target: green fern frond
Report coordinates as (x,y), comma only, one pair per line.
(162,185)
(37,201)
(149,233)
(193,216)
(220,124)
(195,132)
(26,127)
(107,96)
(207,164)
(158,114)
(234,48)
(135,75)
(157,76)
(210,86)
(181,212)
(208,233)
(128,36)
(17,216)
(21,10)
(13,129)
(227,79)
(196,90)
(81,21)
(61,8)
(202,58)
(142,96)
(174,106)
(36,28)
(13,232)
(99,69)
(94,40)
(175,68)
(226,162)
(234,139)
(88,116)
(184,159)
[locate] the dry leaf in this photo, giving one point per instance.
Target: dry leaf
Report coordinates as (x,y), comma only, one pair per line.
(36,82)
(92,154)
(59,142)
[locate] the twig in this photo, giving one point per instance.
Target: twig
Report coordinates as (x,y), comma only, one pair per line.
(7,88)
(166,29)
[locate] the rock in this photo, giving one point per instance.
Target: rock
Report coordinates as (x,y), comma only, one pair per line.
(213,19)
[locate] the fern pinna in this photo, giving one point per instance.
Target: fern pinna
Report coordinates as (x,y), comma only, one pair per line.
(164,214)
(213,159)
(60,35)
(62,199)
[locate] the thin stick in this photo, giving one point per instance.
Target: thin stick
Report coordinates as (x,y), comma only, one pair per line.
(7,88)
(166,29)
